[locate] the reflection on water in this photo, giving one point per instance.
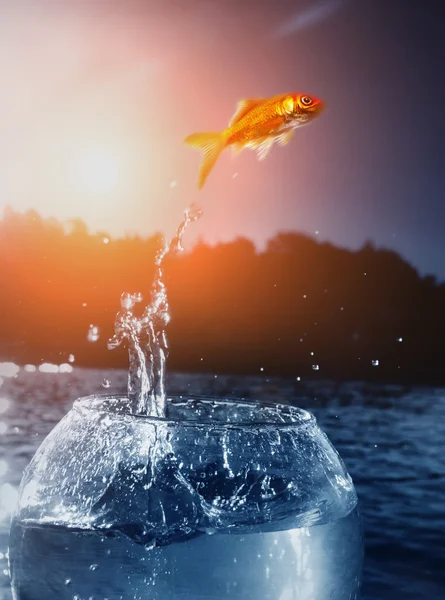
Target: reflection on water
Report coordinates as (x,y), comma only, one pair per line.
(8,499)
(391,440)
(4,404)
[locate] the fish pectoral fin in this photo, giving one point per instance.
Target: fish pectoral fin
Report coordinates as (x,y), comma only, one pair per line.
(285,137)
(264,148)
(211,144)
(236,149)
(243,107)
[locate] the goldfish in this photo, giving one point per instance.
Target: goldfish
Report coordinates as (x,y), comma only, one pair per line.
(257,124)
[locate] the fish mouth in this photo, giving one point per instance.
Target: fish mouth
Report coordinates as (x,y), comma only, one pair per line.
(309,112)
(316,108)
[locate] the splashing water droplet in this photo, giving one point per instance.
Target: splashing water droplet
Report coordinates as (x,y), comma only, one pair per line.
(93,333)
(375,363)
(315,367)
(146,335)
(106,383)
(71,358)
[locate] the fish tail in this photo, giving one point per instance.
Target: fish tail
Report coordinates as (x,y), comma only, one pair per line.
(212,144)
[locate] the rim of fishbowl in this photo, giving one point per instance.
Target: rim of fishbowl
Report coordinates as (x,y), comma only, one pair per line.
(303,417)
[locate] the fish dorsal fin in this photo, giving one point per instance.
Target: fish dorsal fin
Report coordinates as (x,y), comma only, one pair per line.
(243,107)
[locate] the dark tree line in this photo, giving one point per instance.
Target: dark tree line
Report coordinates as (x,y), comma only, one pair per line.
(233,309)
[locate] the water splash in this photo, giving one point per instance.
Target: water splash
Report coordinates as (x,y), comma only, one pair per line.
(93,333)
(146,336)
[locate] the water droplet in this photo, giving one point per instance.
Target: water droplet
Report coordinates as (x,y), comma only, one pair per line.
(316,232)
(9,369)
(129,300)
(375,363)
(298,378)
(315,367)
(342,308)
(93,567)
(93,333)
(67,581)
(106,240)
(312,354)
(71,358)
(400,339)
(261,369)
(106,383)
(304,296)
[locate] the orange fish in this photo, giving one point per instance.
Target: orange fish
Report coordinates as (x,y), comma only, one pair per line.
(256,124)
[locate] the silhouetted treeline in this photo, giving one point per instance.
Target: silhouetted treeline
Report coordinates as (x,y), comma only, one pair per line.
(233,309)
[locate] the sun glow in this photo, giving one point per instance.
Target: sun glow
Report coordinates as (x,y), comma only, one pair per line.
(97,171)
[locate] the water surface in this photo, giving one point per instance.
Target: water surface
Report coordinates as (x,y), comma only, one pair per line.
(391,439)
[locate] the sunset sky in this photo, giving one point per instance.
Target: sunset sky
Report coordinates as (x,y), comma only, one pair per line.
(98,95)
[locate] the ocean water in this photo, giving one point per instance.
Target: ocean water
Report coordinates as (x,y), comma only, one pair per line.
(391,439)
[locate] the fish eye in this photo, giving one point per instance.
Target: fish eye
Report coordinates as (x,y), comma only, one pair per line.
(306,100)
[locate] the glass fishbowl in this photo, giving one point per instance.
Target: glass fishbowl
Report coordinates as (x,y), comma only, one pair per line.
(222,499)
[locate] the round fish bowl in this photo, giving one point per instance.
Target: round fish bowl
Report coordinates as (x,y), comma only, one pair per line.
(224,499)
